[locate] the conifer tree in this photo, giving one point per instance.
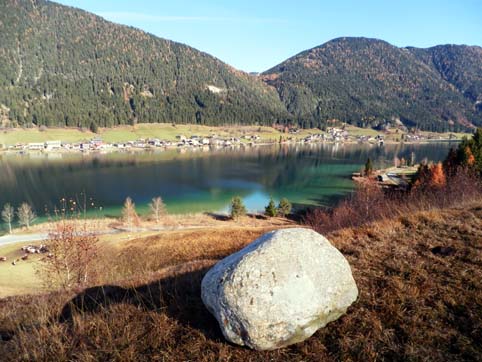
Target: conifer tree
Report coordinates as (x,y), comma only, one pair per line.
(93,127)
(437,175)
(469,158)
(237,207)
(284,207)
(270,210)
(368,167)
(423,176)
(451,163)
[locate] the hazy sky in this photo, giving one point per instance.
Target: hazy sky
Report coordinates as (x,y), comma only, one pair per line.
(254,35)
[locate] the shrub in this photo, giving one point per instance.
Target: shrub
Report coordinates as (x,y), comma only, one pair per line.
(370,203)
(73,248)
(237,207)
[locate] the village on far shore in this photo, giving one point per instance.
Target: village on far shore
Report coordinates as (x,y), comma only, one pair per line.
(189,140)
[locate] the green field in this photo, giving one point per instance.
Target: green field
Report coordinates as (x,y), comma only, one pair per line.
(21,278)
(169,132)
(394,135)
(12,137)
(162,131)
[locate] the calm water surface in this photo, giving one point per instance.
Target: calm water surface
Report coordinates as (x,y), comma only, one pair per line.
(194,181)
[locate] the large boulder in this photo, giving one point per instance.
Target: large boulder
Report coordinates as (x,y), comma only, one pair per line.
(280,289)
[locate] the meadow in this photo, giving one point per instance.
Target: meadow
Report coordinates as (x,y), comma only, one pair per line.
(114,240)
(169,132)
(162,131)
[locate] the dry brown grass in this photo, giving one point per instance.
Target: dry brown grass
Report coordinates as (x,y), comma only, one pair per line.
(419,276)
(167,222)
(140,257)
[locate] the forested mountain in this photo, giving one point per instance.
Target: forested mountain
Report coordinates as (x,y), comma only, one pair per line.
(368,81)
(460,65)
(61,66)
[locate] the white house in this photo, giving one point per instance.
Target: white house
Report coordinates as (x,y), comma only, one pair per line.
(85,146)
(35,146)
(53,145)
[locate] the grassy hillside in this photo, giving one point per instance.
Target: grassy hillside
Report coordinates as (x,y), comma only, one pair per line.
(369,81)
(419,278)
(61,66)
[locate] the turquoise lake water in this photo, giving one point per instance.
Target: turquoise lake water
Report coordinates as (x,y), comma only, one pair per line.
(194,181)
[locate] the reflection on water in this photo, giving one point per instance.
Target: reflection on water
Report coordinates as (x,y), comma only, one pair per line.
(192,182)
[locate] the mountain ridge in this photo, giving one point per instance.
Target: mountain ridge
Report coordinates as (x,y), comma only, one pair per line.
(62,66)
(331,79)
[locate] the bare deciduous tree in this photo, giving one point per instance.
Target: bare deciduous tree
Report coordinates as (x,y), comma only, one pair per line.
(25,215)
(8,213)
(72,247)
(129,214)
(158,208)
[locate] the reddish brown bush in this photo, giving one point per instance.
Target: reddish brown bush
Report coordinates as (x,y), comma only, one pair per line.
(437,176)
(72,247)
(369,202)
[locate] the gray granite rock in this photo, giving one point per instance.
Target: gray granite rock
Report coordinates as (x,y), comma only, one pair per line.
(280,289)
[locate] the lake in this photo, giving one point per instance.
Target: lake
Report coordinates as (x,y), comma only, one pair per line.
(194,181)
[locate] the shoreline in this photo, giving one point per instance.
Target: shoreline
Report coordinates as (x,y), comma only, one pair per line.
(186,137)
(208,149)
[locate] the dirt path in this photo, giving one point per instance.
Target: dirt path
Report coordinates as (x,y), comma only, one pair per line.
(11,239)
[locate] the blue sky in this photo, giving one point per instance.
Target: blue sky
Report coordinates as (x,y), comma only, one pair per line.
(254,35)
